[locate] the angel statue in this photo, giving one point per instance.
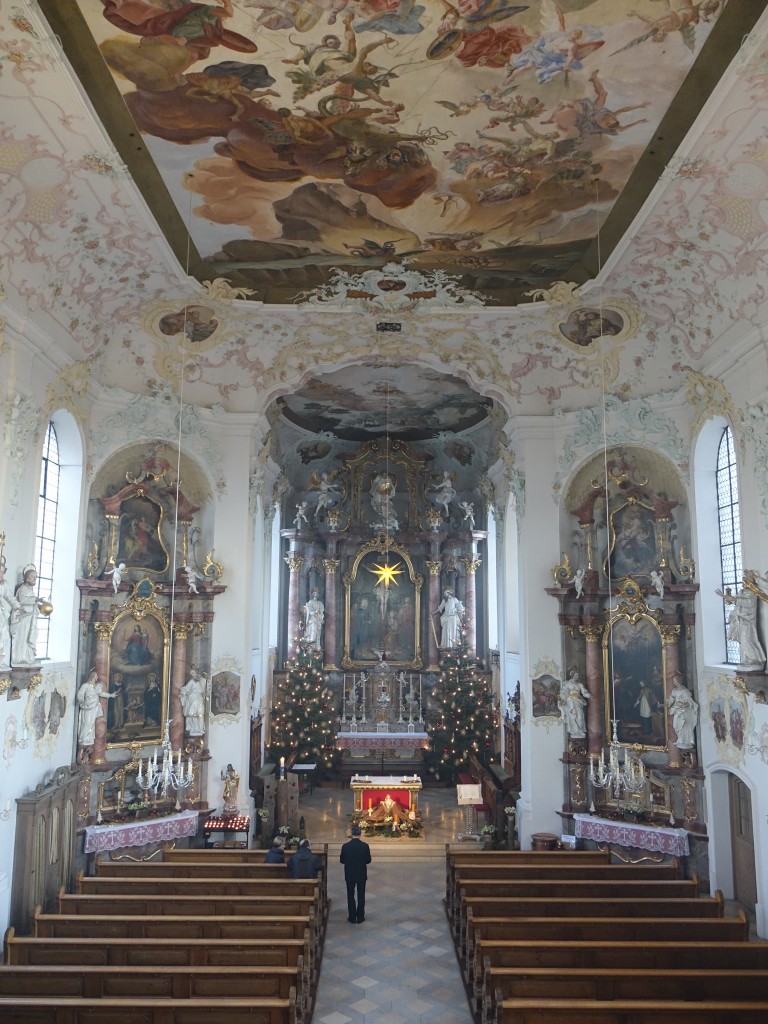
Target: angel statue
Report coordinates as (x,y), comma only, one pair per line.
(468,508)
(445,493)
(116,572)
(192,576)
(301,515)
(328,491)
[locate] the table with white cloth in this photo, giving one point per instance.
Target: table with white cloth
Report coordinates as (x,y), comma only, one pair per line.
(671,841)
(104,838)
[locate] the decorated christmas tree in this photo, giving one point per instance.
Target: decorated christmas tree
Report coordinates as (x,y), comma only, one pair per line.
(303,715)
(466,718)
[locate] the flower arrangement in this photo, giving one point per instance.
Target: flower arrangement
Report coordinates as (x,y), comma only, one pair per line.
(488,830)
(389,829)
(510,812)
(291,841)
(262,812)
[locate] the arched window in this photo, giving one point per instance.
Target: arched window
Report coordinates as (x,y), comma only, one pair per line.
(45,539)
(729,523)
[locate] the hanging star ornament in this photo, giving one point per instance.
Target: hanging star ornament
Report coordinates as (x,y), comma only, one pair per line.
(386,573)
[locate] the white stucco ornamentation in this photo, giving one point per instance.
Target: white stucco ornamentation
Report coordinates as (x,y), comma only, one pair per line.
(148,416)
(755,434)
(20,417)
(632,422)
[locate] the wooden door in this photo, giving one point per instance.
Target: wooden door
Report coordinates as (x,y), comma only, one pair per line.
(743,843)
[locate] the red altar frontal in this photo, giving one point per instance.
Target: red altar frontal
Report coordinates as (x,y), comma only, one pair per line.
(369,790)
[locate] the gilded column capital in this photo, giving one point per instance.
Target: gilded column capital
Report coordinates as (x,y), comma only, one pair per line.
(434,567)
(294,562)
(670,635)
(103,630)
(181,630)
(5,684)
(331,565)
(35,681)
(471,565)
(591,633)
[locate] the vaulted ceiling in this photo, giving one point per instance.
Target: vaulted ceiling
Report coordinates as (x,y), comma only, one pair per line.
(410,173)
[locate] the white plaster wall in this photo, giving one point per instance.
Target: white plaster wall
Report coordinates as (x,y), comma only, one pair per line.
(542,740)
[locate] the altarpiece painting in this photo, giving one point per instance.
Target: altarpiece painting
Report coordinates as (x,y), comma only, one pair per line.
(634,665)
(137,673)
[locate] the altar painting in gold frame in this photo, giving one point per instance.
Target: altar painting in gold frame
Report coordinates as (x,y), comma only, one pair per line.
(381,616)
(634,670)
(137,670)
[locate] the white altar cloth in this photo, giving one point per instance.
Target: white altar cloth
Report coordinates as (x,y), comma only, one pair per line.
(99,838)
(644,837)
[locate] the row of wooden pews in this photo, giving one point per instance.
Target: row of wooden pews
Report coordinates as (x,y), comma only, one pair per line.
(553,937)
(198,938)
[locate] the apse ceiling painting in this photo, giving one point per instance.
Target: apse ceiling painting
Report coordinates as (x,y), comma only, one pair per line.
(410,402)
(487,139)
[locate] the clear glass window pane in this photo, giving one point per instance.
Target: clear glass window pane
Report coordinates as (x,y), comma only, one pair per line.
(45,541)
(729,522)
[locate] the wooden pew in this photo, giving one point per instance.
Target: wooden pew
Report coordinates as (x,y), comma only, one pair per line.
(606,929)
(167,926)
(458,858)
(154,886)
(587,1011)
(159,953)
(544,872)
(197,906)
(511,908)
(127,1010)
(140,982)
(223,858)
(638,984)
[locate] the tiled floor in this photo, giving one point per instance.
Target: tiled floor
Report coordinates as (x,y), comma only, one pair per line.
(398,967)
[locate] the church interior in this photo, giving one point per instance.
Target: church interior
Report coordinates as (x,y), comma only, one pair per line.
(384,404)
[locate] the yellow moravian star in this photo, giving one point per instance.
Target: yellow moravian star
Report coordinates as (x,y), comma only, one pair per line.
(386,573)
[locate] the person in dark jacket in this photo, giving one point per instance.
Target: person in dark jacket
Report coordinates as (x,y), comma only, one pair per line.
(355,856)
(304,863)
(276,853)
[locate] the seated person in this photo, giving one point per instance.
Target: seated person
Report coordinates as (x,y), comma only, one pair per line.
(276,853)
(304,863)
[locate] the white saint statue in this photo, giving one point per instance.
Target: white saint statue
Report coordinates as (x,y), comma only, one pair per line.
(314,615)
(684,712)
(192,697)
(89,702)
(573,698)
(451,610)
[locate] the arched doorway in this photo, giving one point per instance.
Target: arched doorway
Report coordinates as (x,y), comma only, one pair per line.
(742,842)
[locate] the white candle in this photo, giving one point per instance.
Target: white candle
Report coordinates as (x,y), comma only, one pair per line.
(282,762)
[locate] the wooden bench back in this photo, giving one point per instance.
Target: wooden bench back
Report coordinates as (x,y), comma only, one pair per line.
(588,1011)
(155,886)
(726,953)
(171,952)
(197,906)
(167,926)
(170,982)
(127,1010)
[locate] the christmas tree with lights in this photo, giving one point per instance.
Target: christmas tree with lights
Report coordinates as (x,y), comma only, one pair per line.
(303,715)
(466,718)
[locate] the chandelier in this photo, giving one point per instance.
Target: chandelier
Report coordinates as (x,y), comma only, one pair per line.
(171,773)
(623,777)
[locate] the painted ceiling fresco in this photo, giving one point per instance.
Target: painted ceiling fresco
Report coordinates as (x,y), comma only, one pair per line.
(411,402)
(487,139)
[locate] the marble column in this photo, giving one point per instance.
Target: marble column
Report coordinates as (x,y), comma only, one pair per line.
(592,634)
(294,563)
(181,631)
(331,566)
(670,637)
(433,600)
(471,566)
(103,632)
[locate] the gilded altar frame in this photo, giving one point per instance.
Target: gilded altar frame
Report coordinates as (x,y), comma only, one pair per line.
(362,655)
(138,654)
(633,544)
(634,653)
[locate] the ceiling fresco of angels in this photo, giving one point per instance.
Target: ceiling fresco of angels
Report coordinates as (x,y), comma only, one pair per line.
(484,138)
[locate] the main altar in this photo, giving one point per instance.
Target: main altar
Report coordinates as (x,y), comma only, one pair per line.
(381,714)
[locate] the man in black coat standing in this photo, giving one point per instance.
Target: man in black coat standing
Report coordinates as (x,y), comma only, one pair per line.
(355,856)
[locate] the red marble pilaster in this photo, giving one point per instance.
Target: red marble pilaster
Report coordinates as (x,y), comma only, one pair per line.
(331,566)
(433,600)
(471,566)
(595,740)
(294,563)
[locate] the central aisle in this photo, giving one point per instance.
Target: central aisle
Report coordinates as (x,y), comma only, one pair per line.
(399,966)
